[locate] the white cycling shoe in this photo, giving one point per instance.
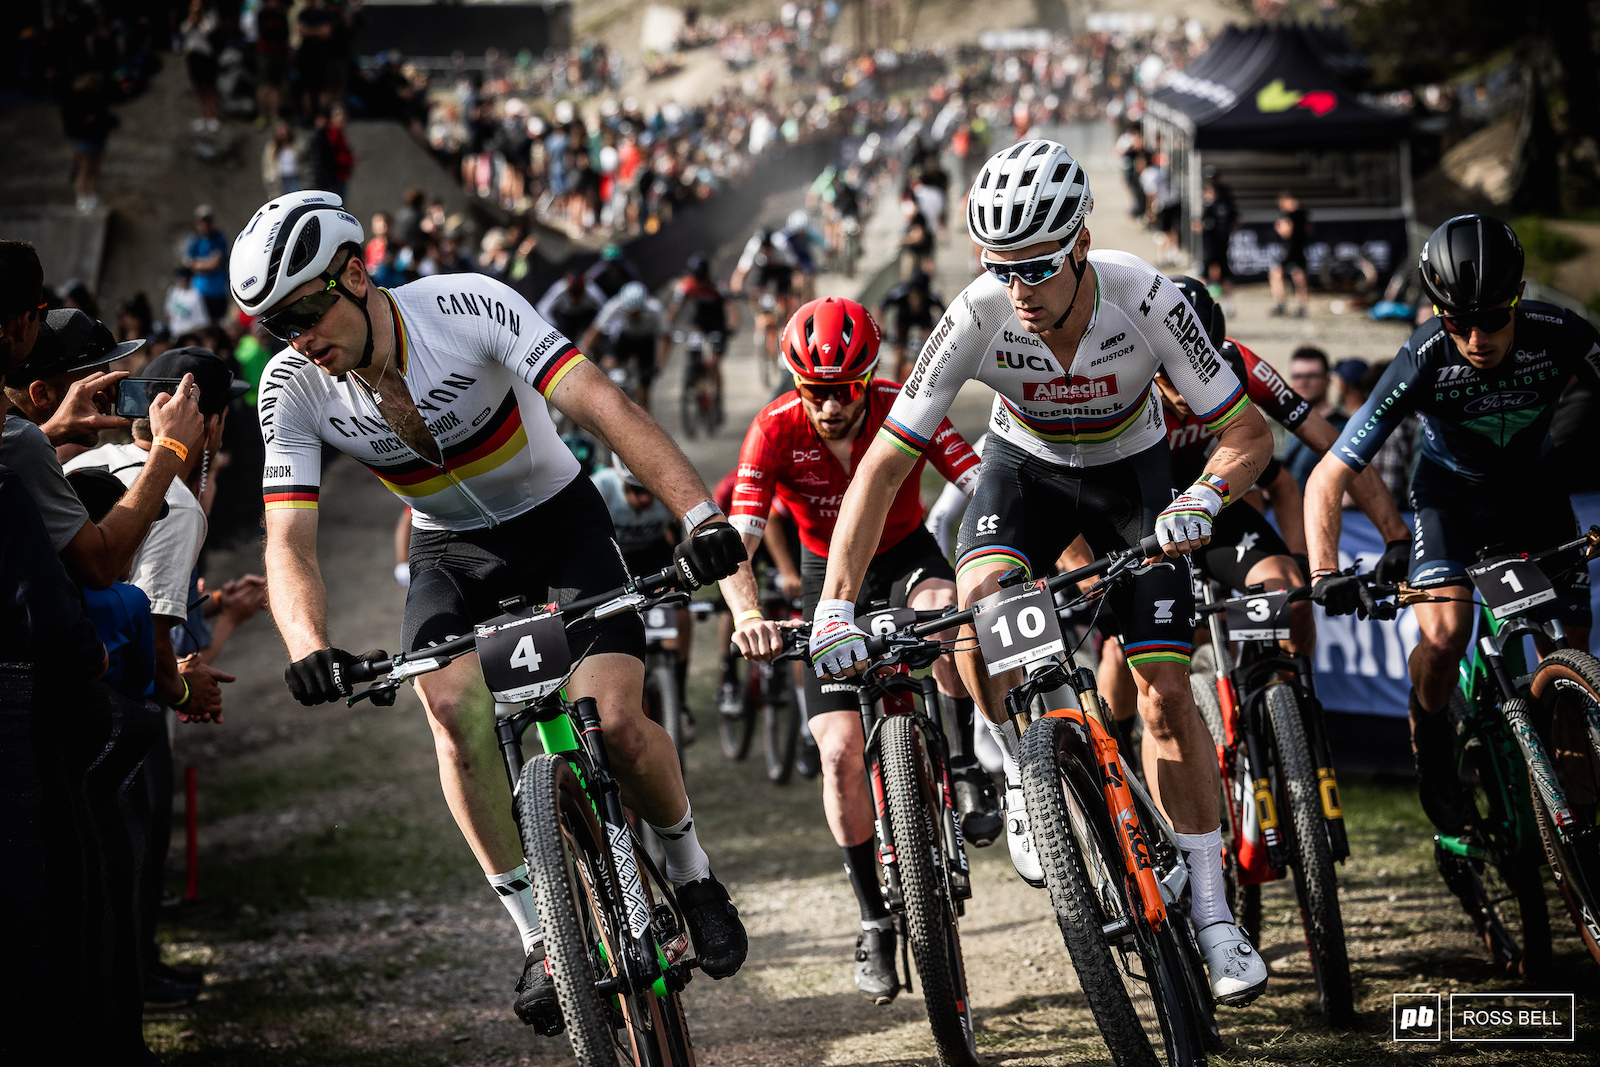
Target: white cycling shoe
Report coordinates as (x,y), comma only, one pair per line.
(1238,973)
(1020,838)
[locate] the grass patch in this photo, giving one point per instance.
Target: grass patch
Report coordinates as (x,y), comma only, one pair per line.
(1545,247)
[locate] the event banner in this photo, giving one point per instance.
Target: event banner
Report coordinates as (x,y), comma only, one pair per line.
(1361,665)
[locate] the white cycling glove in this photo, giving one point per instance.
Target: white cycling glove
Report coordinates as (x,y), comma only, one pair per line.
(402,575)
(836,641)
(1189,517)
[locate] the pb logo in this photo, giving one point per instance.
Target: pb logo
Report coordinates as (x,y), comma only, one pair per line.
(1416,1017)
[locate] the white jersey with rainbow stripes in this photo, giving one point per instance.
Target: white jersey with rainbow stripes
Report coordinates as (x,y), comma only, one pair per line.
(1103,406)
(479,362)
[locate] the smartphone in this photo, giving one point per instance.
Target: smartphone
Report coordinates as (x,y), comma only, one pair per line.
(134,395)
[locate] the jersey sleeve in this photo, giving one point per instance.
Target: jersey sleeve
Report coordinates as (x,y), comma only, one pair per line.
(291,476)
(1267,390)
(952,355)
(952,457)
(1392,399)
(756,483)
(514,334)
(1204,380)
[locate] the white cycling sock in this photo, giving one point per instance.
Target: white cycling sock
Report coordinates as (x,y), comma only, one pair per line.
(686,860)
(1208,900)
(516,893)
(1005,735)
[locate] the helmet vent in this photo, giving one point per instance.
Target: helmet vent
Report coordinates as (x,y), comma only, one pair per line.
(305,246)
(1028,175)
(1061,173)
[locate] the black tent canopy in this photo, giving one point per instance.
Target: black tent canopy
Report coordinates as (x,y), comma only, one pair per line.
(1264,109)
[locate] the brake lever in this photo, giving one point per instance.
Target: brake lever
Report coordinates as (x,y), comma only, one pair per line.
(382,695)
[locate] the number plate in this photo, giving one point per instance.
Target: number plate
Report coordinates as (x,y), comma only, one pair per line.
(886,621)
(524,655)
(1258,617)
(1510,584)
(1017,627)
(660,624)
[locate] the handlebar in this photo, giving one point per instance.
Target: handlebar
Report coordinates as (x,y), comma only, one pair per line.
(1299,592)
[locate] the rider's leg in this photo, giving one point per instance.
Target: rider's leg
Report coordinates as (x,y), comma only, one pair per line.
(1445,630)
(1179,756)
(1282,572)
(976,580)
(845,802)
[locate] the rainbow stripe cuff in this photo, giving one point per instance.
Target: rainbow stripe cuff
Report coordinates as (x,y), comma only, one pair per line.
(1218,485)
(1227,411)
(984,555)
(1142,652)
(902,437)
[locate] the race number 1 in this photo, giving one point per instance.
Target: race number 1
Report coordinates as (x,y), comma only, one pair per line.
(523,656)
(1017,627)
(1509,584)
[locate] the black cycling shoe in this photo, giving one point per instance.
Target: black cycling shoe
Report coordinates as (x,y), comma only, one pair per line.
(1444,800)
(977,804)
(536,1004)
(720,942)
(876,976)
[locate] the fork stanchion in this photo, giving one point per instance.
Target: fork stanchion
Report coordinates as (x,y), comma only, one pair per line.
(191,835)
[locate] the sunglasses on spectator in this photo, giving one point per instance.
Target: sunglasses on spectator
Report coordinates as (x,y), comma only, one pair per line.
(819,393)
(303,314)
(1490,320)
(1031,271)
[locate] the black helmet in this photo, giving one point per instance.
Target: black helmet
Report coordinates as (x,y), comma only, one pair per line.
(919,280)
(699,266)
(1470,263)
(1206,309)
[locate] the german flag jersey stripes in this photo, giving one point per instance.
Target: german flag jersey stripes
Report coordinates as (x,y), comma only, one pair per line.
(1101,406)
(479,362)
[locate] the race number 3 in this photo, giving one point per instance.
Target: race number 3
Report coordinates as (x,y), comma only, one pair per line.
(1258,617)
(524,655)
(1510,584)
(1017,627)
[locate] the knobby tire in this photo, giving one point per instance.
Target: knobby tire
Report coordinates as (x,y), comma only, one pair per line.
(1563,686)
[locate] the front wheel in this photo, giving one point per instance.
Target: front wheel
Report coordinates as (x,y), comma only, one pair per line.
(736,724)
(664,703)
(1315,885)
(1566,694)
(915,803)
(780,722)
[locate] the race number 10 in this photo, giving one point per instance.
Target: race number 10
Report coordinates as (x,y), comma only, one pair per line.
(1017,627)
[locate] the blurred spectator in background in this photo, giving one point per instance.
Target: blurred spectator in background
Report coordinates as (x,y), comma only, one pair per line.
(1294,229)
(917,243)
(75,294)
(87,119)
(206,254)
(1308,374)
(281,161)
(134,318)
(1219,217)
(1353,390)
(198,33)
(315,25)
(184,307)
(272,60)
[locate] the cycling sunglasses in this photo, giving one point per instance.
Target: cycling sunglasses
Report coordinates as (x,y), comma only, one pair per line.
(819,393)
(303,314)
(1031,271)
(1490,320)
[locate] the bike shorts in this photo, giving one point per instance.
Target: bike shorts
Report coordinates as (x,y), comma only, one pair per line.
(1026,509)
(560,551)
(1455,520)
(641,351)
(780,278)
(1240,538)
(892,576)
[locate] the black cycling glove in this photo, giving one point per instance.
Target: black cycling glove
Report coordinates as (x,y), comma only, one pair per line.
(1339,594)
(1395,566)
(321,677)
(713,551)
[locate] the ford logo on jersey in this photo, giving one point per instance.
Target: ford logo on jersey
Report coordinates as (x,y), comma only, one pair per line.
(1503,401)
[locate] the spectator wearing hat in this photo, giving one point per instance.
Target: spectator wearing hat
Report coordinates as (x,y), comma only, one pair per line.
(95,553)
(1351,375)
(22,301)
(63,386)
(206,254)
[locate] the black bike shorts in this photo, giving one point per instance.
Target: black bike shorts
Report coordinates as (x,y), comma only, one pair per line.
(1027,510)
(779,278)
(1240,538)
(1456,520)
(560,550)
(641,350)
(892,576)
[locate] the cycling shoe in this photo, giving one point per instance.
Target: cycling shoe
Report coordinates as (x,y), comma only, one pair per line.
(1024,857)
(719,939)
(876,976)
(977,804)
(1237,972)
(536,1004)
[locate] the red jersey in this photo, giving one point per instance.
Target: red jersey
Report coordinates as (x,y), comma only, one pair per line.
(783,456)
(1187,436)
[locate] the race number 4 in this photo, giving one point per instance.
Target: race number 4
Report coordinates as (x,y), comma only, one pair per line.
(524,655)
(1017,627)
(1510,584)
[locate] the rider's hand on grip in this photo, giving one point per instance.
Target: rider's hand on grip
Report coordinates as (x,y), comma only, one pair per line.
(837,643)
(368,666)
(320,677)
(1395,564)
(713,551)
(1185,524)
(1339,594)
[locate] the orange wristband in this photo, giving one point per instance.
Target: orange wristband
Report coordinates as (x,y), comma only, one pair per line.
(178,447)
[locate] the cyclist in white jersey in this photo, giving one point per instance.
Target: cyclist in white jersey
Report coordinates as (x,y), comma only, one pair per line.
(1076,445)
(442,389)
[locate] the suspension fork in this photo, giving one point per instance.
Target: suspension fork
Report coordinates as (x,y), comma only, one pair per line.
(943,719)
(887,857)
(1322,759)
(1260,783)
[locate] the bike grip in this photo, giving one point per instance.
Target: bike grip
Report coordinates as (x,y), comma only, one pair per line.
(1150,546)
(369,666)
(877,645)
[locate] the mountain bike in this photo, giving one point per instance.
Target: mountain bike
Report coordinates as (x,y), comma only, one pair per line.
(615,938)
(926,881)
(1529,743)
(699,404)
(1112,864)
(1281,795)
(768,692)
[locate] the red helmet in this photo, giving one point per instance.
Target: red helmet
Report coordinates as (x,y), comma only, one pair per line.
(831,339)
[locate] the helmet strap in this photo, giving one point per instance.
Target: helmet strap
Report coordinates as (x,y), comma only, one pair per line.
(1078,270)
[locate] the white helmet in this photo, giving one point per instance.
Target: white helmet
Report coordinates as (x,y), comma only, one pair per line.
(290,241)
(633,296)
(1030,193)
(798,220)
(627,476)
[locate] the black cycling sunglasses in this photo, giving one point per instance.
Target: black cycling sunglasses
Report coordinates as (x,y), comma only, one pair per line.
(1490,320)
(1031,271)
(303,314)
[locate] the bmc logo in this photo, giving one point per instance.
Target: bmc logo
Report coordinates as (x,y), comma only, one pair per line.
(1080,390)
(1263,373)
(805,455)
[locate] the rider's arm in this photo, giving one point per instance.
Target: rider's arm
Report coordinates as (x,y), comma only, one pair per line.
(1288,508)
(776,538)
(944,518)
(1367,488)
(295,589)
(752,501)
(953,458)
(290,485)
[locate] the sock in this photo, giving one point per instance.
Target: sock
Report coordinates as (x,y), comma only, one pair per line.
(984,746)
(960,731)
(686,860)
(680,673)
(1005,735)
(1208,900)
(516,893)
(861,864)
